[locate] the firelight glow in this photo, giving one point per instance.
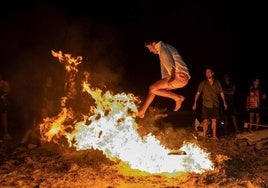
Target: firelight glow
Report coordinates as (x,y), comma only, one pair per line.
(112,129)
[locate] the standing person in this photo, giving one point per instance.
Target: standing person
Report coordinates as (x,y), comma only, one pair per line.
(4,92)
(253,108)
(258,92)
(174,73)
(50,97)
(211,89)
(229,90)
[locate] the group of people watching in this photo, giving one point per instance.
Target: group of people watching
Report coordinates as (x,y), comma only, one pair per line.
(214,110)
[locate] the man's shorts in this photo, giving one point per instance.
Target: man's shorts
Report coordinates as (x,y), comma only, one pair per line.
(254,110)
(210,113)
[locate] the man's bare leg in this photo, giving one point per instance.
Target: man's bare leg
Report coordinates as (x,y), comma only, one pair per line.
(214,129)
(235,124)
(205,128)
(161,88)
(169,94)
(179,102)
(148,101)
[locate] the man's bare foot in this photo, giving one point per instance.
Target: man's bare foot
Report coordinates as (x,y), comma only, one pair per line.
(140,114)
(215,138)
(178,103)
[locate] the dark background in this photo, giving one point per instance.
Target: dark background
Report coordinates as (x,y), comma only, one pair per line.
(227,36)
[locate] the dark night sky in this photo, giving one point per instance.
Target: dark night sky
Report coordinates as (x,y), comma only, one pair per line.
(228,36)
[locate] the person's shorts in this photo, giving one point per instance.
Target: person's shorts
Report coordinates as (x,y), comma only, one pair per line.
(181,80)
(254,110)
(210,113)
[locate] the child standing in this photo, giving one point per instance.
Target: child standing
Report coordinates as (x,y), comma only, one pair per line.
(253,108)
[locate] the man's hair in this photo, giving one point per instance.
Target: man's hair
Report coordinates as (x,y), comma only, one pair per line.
(148,41)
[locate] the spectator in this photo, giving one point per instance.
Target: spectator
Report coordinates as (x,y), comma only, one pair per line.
(32,135)
(254,111)
(48,109)
(253,108)
(211,89)
(229,89)
(50,97)
(4,92)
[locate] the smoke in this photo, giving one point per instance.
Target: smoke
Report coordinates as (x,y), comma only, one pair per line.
(28,36)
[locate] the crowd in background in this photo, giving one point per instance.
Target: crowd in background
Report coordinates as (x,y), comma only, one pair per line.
(245,111)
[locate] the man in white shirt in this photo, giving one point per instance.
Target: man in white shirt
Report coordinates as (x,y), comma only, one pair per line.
(174,75)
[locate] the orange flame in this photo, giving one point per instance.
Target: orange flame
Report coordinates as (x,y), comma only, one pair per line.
(111,128)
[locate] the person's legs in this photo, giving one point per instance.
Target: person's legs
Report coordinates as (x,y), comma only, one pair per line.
(5,126)
(251,119)
(153,90)
(214,128)
(157,90)
(205,121)
(163,88)
(232,111)
(205,128)
(180,81)
(257,120)
(148,101)
(215,114)
(235,123)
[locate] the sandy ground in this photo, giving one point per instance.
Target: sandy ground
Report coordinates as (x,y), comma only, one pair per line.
(49,165)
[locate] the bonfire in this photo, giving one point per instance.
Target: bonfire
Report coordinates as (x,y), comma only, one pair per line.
(110,127)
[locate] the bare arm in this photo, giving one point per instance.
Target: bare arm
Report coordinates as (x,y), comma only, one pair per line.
(195,100)
(172,77)
(223,100)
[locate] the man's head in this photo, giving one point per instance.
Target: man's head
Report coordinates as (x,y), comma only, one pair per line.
(209,73)
(227,78)
(150,45)
(256,82)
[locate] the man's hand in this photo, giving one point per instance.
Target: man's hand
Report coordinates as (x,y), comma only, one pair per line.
(172,76)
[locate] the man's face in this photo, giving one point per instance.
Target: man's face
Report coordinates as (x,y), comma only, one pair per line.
(151,48)
(226,78)
(209,73)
